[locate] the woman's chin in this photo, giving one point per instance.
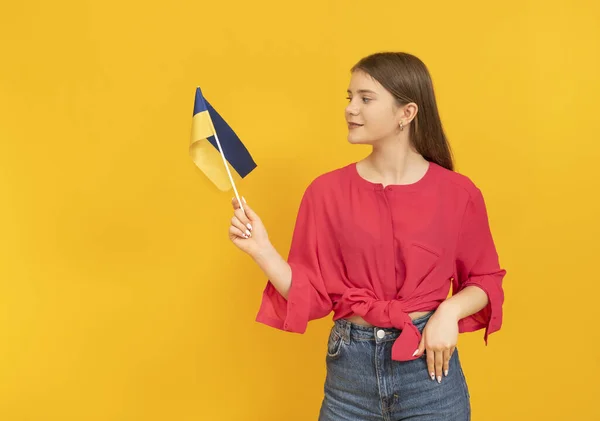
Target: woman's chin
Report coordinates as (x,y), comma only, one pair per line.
(356,140)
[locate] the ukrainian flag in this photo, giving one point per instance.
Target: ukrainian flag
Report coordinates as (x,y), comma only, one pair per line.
(204,150)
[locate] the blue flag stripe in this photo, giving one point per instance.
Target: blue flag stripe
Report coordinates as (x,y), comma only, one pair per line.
(199,104)
(233,148)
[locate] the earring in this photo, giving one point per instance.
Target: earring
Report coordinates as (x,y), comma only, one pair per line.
(401,126)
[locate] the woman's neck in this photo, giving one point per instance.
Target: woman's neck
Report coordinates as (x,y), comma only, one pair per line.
(396,163)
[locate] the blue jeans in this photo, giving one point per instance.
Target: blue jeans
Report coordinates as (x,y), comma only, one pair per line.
(363,383)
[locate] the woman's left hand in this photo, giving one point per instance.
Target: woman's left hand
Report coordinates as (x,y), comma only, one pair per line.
(439,338)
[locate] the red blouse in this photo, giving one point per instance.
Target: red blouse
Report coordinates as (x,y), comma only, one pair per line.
(381,253)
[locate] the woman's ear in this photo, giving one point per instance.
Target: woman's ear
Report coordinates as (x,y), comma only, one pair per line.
(409,112)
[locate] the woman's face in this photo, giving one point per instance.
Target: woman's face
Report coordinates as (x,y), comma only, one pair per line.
(372,109)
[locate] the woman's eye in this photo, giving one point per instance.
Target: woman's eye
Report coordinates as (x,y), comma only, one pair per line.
(365,100)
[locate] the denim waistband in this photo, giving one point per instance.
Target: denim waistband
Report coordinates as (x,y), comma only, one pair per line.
(349,330)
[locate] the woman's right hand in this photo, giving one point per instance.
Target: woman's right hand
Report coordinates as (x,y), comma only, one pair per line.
(247,231)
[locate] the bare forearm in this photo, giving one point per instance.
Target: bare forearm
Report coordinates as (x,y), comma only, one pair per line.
(276,269)
(466,302)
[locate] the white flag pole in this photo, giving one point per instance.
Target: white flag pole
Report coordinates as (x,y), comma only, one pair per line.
(226,166)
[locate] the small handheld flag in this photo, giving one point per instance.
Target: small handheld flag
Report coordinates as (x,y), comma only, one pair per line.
(211,137)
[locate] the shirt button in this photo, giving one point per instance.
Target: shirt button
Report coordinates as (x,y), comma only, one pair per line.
(380,334)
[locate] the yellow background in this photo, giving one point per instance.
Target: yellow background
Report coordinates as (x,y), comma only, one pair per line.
(121,297)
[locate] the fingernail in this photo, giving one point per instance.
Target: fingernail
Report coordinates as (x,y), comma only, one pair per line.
(245,236)
(432,376)
(446,373)
(248,233)
(243,199)
(439,379)
(249,226)
(415,353)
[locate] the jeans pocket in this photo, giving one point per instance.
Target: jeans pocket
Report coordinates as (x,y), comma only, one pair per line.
(334,343)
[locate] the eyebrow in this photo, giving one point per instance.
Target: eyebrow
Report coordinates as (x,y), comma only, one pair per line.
(363,91)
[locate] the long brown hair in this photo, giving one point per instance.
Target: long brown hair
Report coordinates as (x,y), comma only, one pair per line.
(406,77)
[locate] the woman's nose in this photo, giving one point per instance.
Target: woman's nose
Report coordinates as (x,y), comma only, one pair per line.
(351,109)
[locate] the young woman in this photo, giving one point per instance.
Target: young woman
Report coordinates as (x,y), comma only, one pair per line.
(380,242)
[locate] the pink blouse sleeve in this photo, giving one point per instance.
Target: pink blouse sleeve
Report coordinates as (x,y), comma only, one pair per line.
(307,298)
(477,264)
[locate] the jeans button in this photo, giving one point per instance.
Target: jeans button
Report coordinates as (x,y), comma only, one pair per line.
(380,333)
